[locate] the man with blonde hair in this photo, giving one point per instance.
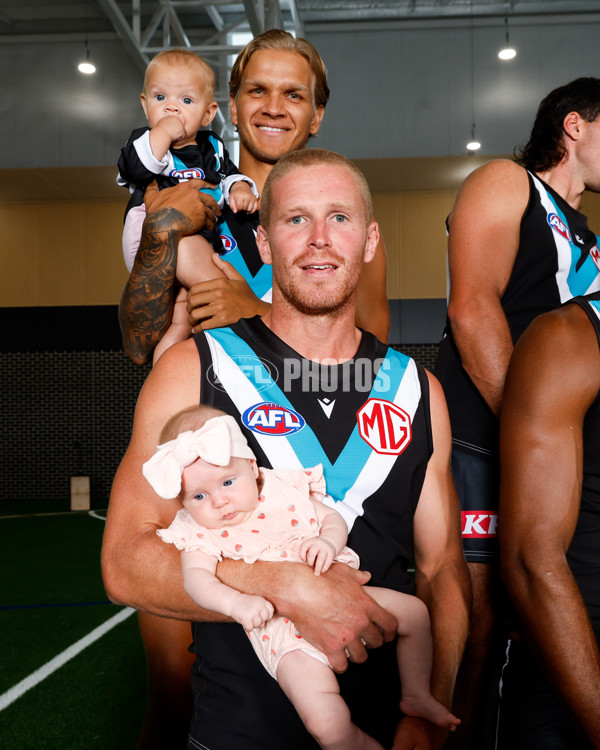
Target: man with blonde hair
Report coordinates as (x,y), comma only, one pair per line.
(307,386)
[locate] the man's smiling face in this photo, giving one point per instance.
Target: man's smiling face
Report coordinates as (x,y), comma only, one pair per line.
(274,110)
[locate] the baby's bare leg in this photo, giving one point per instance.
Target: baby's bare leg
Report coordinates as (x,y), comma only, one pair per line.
(415,656)
(194,264)
(180,328)
(194,261)
(313,689)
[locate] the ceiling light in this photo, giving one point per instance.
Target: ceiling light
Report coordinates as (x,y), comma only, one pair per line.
(86,67)
(473,145)
(507,52)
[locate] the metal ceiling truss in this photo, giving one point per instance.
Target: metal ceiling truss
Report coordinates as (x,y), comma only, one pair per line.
(199,25)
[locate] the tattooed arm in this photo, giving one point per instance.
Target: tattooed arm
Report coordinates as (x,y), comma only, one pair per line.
(146,305)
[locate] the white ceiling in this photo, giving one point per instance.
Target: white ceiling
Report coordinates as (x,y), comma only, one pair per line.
(46,20)
(408,77)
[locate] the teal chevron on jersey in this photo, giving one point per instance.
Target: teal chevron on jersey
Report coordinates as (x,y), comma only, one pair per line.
(218,147)
(262,282)
(579,279)
(216,192)
(304,443)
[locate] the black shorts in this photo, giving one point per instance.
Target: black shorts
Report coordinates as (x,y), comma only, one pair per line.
(530,717)
(477,479)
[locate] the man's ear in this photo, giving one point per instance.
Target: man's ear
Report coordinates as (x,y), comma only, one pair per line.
(233,111)
(573,126)
(264,247)
(373,236)
(210,114)
(315,123)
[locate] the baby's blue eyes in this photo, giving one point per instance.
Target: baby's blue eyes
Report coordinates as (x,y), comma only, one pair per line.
(228,483)
(162,97)
(199,496)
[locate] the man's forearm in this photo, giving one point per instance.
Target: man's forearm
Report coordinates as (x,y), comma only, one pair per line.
(146,305)
(485,347)
(448,598)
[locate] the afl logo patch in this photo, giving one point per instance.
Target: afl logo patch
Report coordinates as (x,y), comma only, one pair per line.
(559,226)
(268,418)
(595,253)
(187,174)
(229,244)
(384,426)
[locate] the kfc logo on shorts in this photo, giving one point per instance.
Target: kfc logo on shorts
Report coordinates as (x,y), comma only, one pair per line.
(384,426)
(595,253)
(187,174)
(268,418)
(559,226)
(229,244)
(479,524)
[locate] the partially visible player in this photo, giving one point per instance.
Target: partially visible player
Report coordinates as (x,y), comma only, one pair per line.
(518,247)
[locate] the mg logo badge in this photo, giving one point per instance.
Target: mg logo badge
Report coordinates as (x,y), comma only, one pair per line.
(384,426)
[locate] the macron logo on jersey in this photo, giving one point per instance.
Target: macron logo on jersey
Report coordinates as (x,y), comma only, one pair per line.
(187,174)
(384,426)
(268,418)
(479,524)
(229,244)
(559,226)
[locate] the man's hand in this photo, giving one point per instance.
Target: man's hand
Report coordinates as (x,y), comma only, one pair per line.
(186,209)
(335,613)
(418,734)
(223,301)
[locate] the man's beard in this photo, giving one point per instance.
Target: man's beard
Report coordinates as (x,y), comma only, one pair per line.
(318,302)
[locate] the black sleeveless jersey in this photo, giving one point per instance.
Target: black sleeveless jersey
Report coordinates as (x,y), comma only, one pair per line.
(584,552)
(368,422)
(558,259)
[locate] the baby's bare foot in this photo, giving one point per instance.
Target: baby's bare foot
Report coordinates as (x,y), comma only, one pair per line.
(426,707)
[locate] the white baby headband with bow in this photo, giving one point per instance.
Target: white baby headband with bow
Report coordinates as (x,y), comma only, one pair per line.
(217,441)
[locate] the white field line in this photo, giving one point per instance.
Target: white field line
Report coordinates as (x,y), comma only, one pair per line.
(47,669)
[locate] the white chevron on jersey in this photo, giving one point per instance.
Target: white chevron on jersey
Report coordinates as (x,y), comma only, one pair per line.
(379,465)
(241,391)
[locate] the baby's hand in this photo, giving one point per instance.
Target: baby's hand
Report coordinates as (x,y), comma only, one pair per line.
(318,553)
(251,611)
(241,198)
(171,125)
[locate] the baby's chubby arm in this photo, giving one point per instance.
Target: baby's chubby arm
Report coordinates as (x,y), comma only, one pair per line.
(162,135)
(205,589)
(320,552)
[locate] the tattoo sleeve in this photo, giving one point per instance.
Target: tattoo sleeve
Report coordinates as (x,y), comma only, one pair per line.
(146,305)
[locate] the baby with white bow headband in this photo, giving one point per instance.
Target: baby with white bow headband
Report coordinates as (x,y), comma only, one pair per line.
(231,508)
